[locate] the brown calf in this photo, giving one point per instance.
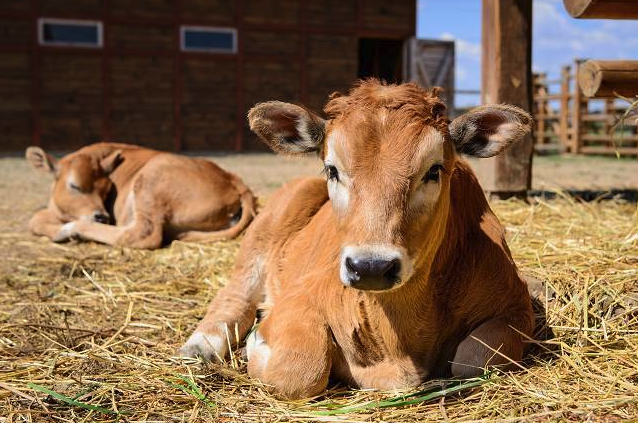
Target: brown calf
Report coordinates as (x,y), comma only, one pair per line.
(152,197)
(394,269)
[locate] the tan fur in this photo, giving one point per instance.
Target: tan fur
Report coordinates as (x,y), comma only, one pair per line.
(151,197)
(463,283)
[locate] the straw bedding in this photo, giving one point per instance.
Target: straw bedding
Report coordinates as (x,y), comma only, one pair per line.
(89,333)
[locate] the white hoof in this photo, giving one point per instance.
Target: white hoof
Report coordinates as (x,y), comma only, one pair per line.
(208,347)
(67,231)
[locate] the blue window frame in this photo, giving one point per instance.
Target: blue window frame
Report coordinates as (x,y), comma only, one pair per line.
(209,39)
(70,33)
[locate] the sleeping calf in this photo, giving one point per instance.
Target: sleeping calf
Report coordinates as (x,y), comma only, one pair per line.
(151,197)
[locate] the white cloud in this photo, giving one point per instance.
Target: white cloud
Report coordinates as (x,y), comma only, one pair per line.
(558,38)
(464,48)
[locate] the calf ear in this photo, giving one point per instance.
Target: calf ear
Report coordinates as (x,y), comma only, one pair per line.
(41,161)
(487,130)
(287,128)
(110,162)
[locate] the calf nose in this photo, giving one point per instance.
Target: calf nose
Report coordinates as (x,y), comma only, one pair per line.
(101,217)
(372,274)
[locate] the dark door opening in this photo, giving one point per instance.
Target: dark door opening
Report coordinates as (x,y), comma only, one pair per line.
(380,58)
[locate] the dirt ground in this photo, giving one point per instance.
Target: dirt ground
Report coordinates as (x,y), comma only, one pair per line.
(102,324)
(22,191)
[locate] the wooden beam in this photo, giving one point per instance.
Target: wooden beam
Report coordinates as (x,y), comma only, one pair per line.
(606,78)
(602,9)
(507,78)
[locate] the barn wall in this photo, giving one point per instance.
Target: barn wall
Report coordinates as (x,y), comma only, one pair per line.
(209,105)
(140,88)
(71,112)
(142,100)
(15,108)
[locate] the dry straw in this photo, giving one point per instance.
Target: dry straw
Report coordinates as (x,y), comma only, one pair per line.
(88,333)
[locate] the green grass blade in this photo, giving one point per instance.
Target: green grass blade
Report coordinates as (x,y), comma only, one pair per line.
(71,401)
(192,389)
(402,401)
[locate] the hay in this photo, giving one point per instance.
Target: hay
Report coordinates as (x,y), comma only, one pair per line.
(88,333)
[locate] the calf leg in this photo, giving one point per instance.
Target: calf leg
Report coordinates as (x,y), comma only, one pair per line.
(494,343)
(231,313)
(142,233)
(291,351)
(46,223)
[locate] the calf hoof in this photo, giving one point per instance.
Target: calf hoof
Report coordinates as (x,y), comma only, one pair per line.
(206,347)
(66,233)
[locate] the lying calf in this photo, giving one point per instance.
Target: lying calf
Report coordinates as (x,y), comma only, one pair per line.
(151,197)
(394,269)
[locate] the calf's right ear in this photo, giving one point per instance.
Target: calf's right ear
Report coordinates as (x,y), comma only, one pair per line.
(41,161)
(287,128)
(487,130)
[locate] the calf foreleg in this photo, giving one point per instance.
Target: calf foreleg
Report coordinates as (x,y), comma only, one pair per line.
(291,351)
(494,343)
(46,223)
(232,313)
(142,233)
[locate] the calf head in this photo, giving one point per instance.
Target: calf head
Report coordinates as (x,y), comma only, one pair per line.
(389,153)
(81,183)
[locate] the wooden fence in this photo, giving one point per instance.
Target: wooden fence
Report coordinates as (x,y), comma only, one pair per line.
(567,121)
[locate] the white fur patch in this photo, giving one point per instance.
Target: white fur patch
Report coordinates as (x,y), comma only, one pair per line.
(209,347)
(257,350)
(66,232)
(338,191)
(376,252)
(429,153)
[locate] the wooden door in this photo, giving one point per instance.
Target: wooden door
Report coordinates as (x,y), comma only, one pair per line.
(430,63)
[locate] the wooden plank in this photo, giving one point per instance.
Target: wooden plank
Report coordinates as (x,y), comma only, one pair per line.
(209,10)
(333,13)
(142,100)
(507,78)
(629,151)
(208,105)
(607,78)
(396,14)
(610,138)
(60,7)
(602,9)
(564,107)
(577,106)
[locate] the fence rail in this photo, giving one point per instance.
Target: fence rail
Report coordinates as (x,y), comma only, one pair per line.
(566,121)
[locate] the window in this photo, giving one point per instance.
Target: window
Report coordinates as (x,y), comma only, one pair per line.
(209,39)
(72,33)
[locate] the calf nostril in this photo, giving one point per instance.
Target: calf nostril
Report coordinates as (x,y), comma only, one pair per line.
(392,270)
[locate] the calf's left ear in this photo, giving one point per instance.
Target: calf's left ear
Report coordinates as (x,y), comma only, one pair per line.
(110,162)
(287,128)
(487,130)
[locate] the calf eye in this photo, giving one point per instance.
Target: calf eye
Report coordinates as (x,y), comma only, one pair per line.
(74,187)
(434,173)
(332,173)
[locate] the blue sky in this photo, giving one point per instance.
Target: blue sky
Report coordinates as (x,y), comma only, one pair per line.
(557,38)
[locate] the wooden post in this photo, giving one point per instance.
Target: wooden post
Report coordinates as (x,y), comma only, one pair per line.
(606,78)
(602,9)
(540,108)
(507,78)
(564,108)
(576,113)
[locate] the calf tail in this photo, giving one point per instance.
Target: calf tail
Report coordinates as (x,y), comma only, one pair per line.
(248,211)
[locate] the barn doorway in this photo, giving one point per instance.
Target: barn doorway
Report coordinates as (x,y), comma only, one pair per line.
(381,58)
